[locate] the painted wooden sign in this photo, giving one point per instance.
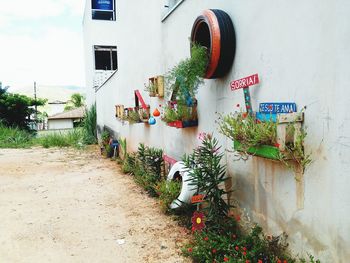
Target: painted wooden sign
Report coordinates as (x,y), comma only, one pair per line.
(245,82)
(138,98)
(197,199)
(277,107)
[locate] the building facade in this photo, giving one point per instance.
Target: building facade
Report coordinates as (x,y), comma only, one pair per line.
(300,51)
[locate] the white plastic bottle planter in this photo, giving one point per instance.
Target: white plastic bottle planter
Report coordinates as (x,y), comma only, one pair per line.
(187,190)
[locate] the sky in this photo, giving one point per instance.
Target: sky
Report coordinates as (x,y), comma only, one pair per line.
(41,40)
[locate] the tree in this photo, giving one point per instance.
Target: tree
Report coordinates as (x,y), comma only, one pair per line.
(76,100)
(16,109)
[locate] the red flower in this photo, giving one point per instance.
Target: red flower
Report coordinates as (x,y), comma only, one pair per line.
(238,218)
(213,251)
(237,248)
(244,249)
(197,221)
(226,259)
(190,250)
(247,261)
(279,261)
(244,253)
(284,261)
(206,238)
(277,145)
(260,261)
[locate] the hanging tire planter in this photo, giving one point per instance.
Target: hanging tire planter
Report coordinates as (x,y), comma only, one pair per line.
(187,190)
(214,30)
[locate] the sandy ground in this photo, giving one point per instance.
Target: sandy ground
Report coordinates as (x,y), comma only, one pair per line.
(70,206)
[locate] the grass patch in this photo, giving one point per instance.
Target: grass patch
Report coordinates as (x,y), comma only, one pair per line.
(15,138)
(74,138)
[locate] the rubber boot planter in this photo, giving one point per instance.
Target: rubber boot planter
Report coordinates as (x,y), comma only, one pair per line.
(214,30)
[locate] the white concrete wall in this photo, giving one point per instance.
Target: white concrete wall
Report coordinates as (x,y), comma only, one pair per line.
(300,50)
(95,32)
(60,124)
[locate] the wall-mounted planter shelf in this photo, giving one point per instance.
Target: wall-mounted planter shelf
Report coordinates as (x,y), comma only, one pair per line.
(183,124)
(276,152)
(158,84)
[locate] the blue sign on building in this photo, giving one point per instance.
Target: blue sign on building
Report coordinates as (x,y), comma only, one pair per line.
(102,5)
(281,107)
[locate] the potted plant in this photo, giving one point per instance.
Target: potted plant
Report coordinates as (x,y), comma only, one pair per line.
(133,116)
(183,80)
(266,139)
(144,114)
(151,88)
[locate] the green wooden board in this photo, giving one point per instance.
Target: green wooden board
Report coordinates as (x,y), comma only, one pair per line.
(266,151)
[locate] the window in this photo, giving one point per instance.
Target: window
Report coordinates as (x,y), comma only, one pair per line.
(103,9)
(106,58)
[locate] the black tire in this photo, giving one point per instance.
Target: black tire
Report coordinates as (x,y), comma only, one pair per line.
(221,45)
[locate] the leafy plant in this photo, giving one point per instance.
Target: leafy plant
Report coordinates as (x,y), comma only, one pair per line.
(179,113)
(168,191)
(129,163)
(185,77)
(89,125)
(244,128)
(16,109)
(251,133)
(133,116)
(15,138)
(148,168)
(207,174)
(76,100)
(73,138)
(151,88)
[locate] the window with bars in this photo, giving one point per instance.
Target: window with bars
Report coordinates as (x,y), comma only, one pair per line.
(106,58)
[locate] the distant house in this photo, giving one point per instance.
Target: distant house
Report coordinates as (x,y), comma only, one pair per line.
(66,120)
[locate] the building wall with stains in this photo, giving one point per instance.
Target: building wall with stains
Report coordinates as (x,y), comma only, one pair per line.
(300,51)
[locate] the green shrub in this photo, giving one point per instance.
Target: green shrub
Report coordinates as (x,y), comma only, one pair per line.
(74,138)
(129,163)
(15,138)
(207,174)
(89,125)
(168,191)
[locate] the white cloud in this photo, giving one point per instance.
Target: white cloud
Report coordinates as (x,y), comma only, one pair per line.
(55,57)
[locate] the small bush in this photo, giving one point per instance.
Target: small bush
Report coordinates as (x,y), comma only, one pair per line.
(168,191)
(74,138)
(15,138)
(89,125)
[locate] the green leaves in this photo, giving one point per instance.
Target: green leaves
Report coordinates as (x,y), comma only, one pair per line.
(15,109)
(207,173)
(186,76)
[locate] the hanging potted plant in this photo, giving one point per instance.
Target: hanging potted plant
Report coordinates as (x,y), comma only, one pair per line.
(183,80)
(144,114)
(133,116)
(282,140)
(151,88)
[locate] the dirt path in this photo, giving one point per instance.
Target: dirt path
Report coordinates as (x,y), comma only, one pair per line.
(68,206)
